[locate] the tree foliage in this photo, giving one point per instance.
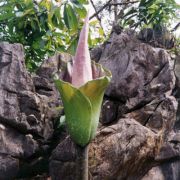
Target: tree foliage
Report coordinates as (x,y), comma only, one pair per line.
(137,13)
(151,13)
(42,27)
(48,26)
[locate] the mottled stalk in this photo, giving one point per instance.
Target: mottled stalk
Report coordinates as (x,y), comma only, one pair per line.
(82,163)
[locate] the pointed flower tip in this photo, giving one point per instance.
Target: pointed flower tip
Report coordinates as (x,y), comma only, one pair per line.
(82,72)
(87,18)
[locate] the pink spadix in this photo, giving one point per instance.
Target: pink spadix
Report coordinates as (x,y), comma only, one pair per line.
(81,71)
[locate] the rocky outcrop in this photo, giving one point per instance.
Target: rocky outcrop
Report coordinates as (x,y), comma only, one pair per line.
(121,152)
(26,119)
(138,115)
(138,136)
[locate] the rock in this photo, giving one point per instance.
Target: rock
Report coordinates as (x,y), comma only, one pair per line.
(154,174)
(158,115)
(168,160)
(55,64)
(121,152)
(19,99)
(44,83)
(140,72)
(169,171)
(138,114)
(22,147)
(63,161)
(109,112)
(169,156)
(96,53)
(26,118)
(177,91)
(62,170)
(8,167)
(157,36)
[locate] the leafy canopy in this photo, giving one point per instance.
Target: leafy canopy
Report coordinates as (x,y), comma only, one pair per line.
(42,27)
(151,13)
(48,26)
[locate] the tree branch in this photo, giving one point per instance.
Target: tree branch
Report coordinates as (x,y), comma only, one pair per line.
(176,27)
(111,4)
(115,10)
(103,7)
(97,15)
(125,3)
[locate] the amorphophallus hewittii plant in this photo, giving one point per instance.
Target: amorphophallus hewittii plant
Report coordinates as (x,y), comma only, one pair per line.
(82,95)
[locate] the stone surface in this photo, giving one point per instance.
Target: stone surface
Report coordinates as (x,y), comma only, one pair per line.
(43,80)
(167,171)
(122,150)
(138,115)
(109,111)
(169,156)
(140,72)
(177,91)
(9,167)
(117,152)
(63,165)
(96,53)
(138,137)
(26,118)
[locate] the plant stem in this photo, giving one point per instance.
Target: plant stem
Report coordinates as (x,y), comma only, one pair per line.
(82,163)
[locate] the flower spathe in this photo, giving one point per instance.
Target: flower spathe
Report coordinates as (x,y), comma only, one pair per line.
(82,106)
(82,96)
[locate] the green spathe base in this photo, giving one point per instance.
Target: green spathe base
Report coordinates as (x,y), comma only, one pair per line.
(82,106)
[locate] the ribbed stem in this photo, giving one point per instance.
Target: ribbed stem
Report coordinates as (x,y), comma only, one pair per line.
(82,163)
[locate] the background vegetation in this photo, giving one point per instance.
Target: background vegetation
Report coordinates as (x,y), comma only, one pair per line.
(48,26)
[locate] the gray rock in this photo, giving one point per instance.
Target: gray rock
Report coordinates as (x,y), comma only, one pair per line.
(122,151)
(177,91)
(96,53)
(26,119)
(138,116)
(109,112)
(19,99)
(63,161)
(140,109)
(22,147)
(140,72)
(167,171)
(169,156)
(9,167)
(158,115)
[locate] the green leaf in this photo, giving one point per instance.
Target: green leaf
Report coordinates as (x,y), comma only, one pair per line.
(81,12)
(83,1)
(66,17)
(57,20)
(80,9)
(70,18)
(72,48)
(101,31)
(61,123)
(80,1)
